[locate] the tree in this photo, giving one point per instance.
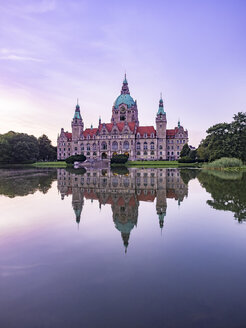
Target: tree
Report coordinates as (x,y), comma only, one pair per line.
(46,150)
(18,148)
(185,150)
(225,140)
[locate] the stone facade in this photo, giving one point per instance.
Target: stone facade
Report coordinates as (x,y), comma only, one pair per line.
(123,135)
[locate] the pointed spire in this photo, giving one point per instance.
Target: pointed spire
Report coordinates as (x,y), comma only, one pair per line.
(91,126)
(125,89)
(77,106)
(161,106)
(100,121)
(179,123)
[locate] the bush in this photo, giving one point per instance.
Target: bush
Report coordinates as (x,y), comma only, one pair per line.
(186,159)
(75,158)
(119,159)
(225,162)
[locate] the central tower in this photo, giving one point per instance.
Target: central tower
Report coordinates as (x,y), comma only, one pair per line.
(125,108)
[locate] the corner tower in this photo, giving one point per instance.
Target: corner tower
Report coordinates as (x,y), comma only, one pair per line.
(161,130)
(77,124)
(125,108)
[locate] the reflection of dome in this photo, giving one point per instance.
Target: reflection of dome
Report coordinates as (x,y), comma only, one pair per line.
(124,99)
(124,227)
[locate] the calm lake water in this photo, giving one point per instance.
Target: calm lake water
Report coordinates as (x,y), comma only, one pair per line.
(123,248)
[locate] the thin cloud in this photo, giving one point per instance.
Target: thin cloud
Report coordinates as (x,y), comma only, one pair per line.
(21,58)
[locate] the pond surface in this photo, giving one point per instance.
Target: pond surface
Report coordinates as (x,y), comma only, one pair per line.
(123,248)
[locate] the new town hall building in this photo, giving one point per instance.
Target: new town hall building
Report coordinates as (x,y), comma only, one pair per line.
(123,135)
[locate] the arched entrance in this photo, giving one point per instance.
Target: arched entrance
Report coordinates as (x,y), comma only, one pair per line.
(104,155)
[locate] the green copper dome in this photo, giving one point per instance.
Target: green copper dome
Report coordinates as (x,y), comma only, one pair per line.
(124,99)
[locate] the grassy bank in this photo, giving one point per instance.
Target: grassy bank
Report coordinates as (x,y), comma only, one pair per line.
(225,164)
(167,164)
(50,164)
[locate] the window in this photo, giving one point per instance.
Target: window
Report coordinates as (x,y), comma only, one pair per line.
(152,145)
(138,145)
(145,146)
(126,145)
(138,153)
(88,147)
(145,135)
(145,153)
(160,147)
(94,146)
(152,152)
(104,145)
(114,146)
(138,135)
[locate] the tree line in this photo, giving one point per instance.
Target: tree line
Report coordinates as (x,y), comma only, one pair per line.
(23,148)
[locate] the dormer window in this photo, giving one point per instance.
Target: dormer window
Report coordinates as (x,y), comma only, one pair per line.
(145,135)
(152,135)
(138,135)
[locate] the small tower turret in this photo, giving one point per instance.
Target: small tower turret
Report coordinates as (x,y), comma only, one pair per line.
(161,130)
(77,124)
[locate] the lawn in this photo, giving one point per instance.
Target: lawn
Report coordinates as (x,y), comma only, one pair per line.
(50,164)
(159,164)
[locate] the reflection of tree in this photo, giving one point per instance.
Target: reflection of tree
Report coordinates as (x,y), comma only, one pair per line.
(188,174)
(228,191)
(22,182)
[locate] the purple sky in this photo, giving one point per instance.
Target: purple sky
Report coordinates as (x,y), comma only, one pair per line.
(53,52)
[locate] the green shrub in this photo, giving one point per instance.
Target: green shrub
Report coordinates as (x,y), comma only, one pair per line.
(119,159)
(75,158)
(225,162)
(186,159)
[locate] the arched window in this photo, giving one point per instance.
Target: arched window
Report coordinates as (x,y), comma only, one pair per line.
(152,145)
(115,145)
(104,145)
(126,145)
(88,147)
(114,131)
(152,152)
(138,145)
(94,146)
(138,153)
(94,153)
(138,135)
(160,147)
(145,145)
(145,153)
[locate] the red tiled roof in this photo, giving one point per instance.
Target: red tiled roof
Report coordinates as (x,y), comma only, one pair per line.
(171,193)
(68,135)
(132,201)
(109,126)
(172,132)
(90,132)
(146,129)
(146,198)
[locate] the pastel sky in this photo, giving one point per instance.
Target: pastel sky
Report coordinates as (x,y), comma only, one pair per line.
(55,51)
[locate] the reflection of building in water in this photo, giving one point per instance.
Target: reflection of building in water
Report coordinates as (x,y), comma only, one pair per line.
(123,193)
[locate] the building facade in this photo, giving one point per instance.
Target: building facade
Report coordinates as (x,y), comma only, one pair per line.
(123,135)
